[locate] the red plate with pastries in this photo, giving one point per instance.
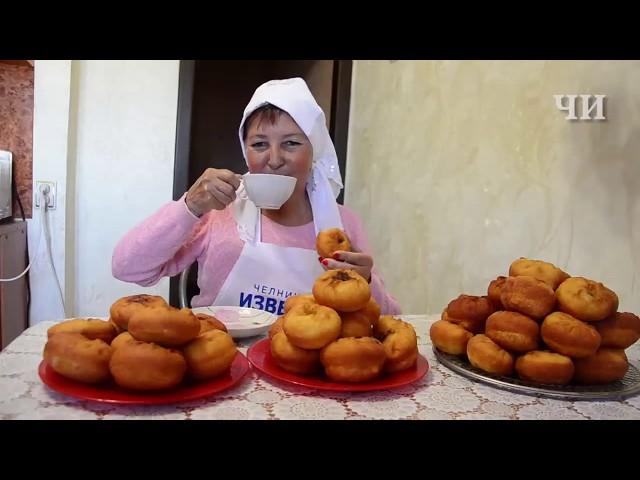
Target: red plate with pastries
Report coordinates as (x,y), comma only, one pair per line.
(259,355)
(111,393)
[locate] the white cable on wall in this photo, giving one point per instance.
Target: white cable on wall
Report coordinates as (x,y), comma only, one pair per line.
(44,232)
(47,241)
(35,255)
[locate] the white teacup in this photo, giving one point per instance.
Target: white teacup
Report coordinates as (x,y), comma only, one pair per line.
(268,191)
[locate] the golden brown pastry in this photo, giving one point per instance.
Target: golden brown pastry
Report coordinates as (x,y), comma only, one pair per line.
(361,322)
(294,300)
(166,326)
(528,296)
(485,354)
(147,367)
(356,324)
(543,271)
(209,322)
(605,366)
(371,310)
(311,326)
(449,337)
(117,329)
(331,240)
(353,360)
(619,331)
(386,324)
(124,337)
(513,331)
(470,312)
(121,310)
(92,328)
(276,327)
(586,300)
(569,336)
(545,367)
(294,359)
(74,356)
(494,291)
(400,342)
(342,290)
(210,354)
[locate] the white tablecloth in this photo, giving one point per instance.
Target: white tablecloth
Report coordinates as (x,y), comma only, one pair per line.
(441,394)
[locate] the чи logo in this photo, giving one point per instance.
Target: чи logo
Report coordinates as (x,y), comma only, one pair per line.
(589,103)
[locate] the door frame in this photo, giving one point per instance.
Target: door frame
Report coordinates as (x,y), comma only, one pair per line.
(338,130)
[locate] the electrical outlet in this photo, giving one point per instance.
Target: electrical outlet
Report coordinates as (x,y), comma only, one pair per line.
(50,189)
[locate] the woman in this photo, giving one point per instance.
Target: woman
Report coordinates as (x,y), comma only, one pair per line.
(247,256)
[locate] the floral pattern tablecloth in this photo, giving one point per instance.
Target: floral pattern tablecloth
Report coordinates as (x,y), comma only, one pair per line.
(441,394)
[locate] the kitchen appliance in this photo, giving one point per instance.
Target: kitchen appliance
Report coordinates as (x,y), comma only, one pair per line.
(6,200)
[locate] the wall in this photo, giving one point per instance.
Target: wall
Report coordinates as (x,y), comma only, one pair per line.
(105,131)
(459,167)
(16,128)
(125,137)
(50,140)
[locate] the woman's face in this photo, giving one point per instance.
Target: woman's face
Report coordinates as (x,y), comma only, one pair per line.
(279,148)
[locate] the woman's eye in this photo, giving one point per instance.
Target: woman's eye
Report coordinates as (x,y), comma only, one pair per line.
(259,144)
(292,143)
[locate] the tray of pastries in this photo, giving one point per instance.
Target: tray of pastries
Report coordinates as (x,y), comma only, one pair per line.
(540,331)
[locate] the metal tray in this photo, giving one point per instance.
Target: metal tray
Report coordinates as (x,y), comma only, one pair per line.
(628,386)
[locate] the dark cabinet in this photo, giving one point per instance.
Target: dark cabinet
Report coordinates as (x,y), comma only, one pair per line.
(13,295)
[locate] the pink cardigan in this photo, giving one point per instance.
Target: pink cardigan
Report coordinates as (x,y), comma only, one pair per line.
(173,238)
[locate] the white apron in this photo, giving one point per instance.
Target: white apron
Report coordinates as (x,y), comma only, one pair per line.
(266,274)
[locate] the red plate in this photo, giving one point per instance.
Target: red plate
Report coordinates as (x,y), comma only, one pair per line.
(259,355)
(111,393)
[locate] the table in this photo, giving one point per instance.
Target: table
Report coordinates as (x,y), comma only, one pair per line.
(440,395)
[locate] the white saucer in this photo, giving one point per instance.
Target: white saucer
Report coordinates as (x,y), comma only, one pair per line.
(241,322)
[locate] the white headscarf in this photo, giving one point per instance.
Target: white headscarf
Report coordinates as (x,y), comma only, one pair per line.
(325,182)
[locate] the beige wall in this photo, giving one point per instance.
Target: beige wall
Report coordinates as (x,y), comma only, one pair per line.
(319,77)
(104,131)
(124,132)
(459,167)
(51,101)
